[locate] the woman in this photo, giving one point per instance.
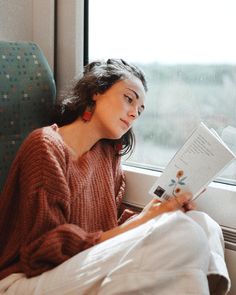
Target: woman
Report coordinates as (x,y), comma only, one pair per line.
(67,233)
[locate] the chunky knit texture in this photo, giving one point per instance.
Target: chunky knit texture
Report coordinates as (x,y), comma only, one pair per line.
(53,207)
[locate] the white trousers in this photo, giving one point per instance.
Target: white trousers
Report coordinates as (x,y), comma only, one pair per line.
(170,254)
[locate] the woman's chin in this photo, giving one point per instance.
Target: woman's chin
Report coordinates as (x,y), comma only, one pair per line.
(115,136)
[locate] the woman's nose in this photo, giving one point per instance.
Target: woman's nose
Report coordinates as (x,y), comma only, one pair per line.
(134,112)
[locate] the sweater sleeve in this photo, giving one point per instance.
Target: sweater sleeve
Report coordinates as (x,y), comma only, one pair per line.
(48,238)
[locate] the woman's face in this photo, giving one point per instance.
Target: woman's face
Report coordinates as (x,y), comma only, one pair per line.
(119,107)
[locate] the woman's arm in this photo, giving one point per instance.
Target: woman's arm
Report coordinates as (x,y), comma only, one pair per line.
(41,234)
(153,209)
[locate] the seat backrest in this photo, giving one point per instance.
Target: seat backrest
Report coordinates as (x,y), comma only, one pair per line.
(27,95)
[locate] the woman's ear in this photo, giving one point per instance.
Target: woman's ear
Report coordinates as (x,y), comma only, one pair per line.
(96,96)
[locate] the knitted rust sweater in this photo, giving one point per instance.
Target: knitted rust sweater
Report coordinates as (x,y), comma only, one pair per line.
(53,207)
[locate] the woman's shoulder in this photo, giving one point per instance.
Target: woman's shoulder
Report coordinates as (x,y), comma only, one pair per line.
(104,147)
(108,152)
(44,135)
(42,140)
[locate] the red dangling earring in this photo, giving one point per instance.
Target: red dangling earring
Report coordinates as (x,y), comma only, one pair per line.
(88,113)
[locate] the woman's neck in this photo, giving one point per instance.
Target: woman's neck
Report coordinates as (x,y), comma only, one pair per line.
(79,137)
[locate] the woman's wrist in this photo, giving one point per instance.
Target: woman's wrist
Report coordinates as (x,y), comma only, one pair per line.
(132,223)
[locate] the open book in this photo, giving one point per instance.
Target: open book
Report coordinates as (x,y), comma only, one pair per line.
(203,156)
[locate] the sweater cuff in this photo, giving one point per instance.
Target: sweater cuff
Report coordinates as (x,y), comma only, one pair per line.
(93,238)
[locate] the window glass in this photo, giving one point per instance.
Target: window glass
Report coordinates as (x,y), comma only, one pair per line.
(187,50)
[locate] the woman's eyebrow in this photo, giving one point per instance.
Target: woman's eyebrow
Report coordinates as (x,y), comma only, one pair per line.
(136,94)
(137,97)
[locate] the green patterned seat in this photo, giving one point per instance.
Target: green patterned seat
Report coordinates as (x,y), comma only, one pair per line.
(27,95)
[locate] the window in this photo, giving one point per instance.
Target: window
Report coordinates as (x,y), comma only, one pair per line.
(187,50)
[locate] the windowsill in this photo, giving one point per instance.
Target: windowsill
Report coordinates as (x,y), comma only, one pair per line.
(219,200)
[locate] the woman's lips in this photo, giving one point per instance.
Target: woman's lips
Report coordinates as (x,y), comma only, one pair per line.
(126,123)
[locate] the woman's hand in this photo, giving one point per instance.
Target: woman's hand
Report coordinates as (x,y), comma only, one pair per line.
(155,207)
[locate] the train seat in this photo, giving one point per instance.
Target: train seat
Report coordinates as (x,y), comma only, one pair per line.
(27,94)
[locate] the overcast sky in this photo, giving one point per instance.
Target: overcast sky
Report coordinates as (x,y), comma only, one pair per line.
(179,31)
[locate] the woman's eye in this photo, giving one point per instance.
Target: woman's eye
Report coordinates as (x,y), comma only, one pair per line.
(140,112)
(129,99)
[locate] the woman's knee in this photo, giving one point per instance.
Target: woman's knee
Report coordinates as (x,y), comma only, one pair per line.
(175,240)
(208,224)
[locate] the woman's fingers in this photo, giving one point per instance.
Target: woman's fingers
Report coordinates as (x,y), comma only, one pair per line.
(190,206)
(184,197)
(156,207)
(178,202)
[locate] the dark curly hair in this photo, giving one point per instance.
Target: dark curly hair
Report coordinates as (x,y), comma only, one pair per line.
(98,77)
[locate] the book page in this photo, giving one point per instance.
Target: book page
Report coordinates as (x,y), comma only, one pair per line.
(199,160)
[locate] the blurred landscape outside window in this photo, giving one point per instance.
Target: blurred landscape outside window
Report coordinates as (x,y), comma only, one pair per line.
(187,50)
